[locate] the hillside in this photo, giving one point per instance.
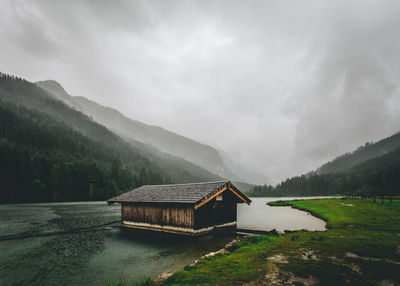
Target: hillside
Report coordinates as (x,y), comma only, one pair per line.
(48,149)
(378,176)
(374,177)
(164,140)
(363,153)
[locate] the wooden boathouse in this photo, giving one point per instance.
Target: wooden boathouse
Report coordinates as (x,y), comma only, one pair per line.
(190,209)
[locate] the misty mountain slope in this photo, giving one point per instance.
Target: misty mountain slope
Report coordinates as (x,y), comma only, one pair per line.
(374,177)
(363,153)
(371,170)
(166,141)
(56,90)
(255,177)
(151,165)
(42,159)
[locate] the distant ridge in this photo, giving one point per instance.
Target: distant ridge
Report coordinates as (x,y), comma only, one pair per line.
(370,171)
(200,154)
(362,154)
(52,152)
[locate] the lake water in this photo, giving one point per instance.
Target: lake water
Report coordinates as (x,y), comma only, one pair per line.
(260,216)
(109,253)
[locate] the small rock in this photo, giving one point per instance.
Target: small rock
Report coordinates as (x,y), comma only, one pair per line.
(162,278)
(352,255)
(221,251)
(278,258)
(231,246)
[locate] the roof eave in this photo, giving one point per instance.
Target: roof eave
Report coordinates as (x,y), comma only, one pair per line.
(110,202)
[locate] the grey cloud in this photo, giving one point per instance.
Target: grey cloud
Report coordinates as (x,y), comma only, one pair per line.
(347,98)
(280,86)
(25,27)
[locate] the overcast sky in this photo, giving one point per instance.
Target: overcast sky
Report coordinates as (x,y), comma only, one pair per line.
(280,86)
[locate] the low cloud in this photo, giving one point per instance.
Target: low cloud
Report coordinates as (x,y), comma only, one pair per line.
(280,86)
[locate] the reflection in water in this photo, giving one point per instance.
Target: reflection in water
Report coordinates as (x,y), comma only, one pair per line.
(110,253)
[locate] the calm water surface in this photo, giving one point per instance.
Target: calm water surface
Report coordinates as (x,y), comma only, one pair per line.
(109,253)
(263,217)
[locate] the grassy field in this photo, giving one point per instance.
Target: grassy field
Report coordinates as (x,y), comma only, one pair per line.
(360,247)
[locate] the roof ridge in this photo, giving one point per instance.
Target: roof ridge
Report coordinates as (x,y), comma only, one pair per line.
(176,193)
(184,184)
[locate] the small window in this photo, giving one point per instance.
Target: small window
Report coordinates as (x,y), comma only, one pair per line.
(219,198)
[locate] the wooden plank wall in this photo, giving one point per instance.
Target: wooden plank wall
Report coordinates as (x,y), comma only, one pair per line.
(182,216)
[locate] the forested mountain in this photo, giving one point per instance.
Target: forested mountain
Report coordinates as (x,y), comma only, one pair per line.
(51,152)
(363,153)
(57,91)
(164,140)
(379,176)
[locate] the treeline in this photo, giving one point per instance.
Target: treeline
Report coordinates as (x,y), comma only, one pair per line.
(45,160)
(372,178)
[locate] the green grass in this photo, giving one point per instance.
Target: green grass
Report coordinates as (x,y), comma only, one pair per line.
(242,264)
(360,247)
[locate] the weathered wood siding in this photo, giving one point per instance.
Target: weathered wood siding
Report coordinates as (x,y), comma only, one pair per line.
(173,215)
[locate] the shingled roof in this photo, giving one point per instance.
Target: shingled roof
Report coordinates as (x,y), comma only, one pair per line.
(180,193)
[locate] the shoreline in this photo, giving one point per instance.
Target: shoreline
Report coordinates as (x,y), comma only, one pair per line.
(233,245)
(311,257)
